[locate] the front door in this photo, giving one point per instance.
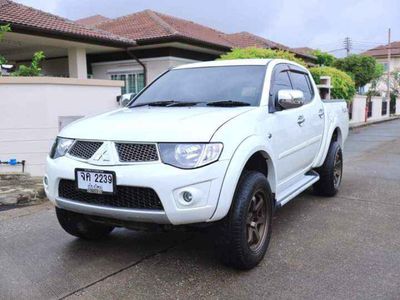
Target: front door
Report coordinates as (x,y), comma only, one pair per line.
(297,132)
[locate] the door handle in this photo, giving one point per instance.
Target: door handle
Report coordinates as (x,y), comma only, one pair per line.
(321,113)
(301,120)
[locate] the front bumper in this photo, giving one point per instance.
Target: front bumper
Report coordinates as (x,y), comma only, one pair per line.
(167,181)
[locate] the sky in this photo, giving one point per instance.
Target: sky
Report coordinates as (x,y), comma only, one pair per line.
(321,24)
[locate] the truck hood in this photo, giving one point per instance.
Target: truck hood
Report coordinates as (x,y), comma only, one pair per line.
(154,124)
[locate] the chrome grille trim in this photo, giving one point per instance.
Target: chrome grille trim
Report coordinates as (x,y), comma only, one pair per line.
(135,152)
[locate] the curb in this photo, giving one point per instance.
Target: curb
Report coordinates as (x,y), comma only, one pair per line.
(356,126)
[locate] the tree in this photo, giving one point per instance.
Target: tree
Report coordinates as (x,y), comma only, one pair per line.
(343,84)
(34,69)
(253,52)
(324,58)
(363,69)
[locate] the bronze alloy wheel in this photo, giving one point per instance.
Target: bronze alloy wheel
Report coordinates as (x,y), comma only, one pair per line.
(337,169)
(257,221)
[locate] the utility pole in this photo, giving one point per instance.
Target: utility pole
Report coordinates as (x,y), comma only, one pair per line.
(347,45)
(389,53)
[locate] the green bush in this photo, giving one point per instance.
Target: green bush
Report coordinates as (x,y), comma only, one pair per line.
(363,69)
(343,85)
(3,29)
(324,58)
(32,70)
(253,52)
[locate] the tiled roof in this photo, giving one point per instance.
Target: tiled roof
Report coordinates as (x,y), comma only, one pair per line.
(24,18)
(150,25)
(92,20)
(246,39)
(142,28)
(305,50)
(383,50)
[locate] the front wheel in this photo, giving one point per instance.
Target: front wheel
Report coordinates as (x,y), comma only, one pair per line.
(330,172)
(244,234)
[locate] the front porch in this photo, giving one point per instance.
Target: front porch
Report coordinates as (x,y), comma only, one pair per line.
(64,58)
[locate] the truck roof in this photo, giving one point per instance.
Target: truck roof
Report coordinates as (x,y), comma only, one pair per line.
(233,62)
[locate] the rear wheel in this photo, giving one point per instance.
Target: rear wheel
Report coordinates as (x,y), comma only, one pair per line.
(78,225)
(330,172)
(244,235)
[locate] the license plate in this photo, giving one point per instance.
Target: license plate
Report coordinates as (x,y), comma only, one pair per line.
(95,181)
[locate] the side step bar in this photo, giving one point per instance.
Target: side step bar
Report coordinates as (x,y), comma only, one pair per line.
(309,179)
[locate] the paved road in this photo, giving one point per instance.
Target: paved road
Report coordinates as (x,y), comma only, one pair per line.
(347,247)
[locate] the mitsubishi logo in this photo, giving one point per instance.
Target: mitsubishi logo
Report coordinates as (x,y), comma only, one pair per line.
(103,154)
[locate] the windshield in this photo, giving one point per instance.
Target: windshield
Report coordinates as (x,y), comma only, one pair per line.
(202,86)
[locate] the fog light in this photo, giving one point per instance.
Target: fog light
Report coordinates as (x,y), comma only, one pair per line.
(187,196)
(45,181)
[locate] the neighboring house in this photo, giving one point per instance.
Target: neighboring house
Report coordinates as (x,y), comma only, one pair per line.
(135,48)
(304,50)
(381,54)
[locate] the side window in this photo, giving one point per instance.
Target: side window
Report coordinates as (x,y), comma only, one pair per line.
(281,82)
(301,82)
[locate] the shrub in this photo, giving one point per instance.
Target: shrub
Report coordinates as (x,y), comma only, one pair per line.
(32,70)
(343,85)
(3,29)
(363,69)
(253,52)
(324,58)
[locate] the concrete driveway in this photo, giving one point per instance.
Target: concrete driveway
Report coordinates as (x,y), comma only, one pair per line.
(347,247)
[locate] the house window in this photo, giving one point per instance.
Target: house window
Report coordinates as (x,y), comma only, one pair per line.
(385,66)
(134,82)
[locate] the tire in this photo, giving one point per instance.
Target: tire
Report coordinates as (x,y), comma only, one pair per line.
(330,172)
(78,225)
(236,238)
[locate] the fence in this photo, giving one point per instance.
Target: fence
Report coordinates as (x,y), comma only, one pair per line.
(362,111)
(34,109)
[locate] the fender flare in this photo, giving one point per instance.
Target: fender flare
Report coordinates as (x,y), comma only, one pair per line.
(242,154)
(327,141)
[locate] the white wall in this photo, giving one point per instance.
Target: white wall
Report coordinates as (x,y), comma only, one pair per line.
(31,108)
(155,66)
(376,108)
(358,109)
(394,63)
(397,106)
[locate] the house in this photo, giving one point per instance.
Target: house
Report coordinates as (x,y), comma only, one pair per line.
(118,55)
(135,48)
(305,50)
(381,55)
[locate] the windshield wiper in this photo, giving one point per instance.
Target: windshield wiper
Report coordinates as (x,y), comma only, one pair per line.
(168,103)
(184,103)
(155,103)
(228,103)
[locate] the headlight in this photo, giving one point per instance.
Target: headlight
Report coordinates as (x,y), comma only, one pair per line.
(60,147)
(190,156)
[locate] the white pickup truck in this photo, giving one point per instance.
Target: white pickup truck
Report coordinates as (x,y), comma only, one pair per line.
(222,143)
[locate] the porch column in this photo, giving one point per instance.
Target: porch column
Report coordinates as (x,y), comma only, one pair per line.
(77,63)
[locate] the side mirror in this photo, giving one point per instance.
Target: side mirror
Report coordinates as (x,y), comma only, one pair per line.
(290,98)
(125,99)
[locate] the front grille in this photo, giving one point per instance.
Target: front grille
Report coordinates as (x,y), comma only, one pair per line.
(125,196)
(84,149)
(136,152)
